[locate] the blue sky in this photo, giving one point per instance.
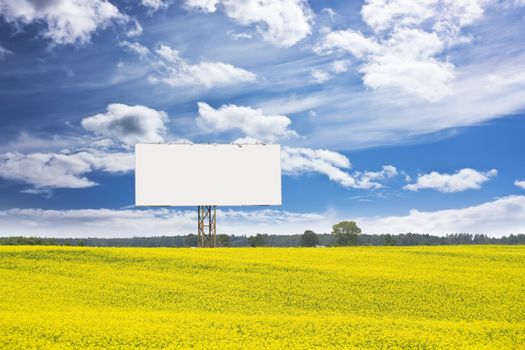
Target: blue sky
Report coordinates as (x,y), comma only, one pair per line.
(404,116)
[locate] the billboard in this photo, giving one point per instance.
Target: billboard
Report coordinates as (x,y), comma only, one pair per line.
(203,174)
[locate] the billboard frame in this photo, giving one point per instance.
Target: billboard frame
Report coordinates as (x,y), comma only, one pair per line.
(206,211)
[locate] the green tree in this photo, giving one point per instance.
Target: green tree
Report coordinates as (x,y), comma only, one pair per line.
(191,240)
(223,240)
(258,240)
(309,239)
(346,233)
(388,239)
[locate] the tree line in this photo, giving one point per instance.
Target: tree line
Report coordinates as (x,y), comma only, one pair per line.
(345,233)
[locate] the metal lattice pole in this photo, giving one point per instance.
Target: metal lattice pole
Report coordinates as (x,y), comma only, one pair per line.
(206,226)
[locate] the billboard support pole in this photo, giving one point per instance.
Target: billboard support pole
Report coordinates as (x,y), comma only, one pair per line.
(207,225)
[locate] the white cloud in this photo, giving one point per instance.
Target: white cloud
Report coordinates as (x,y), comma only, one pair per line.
(153,222)
(405,61)
(349,41)
(118,129)
(251,122)
(135,29)
(383,15)
(172,70)
(320,76)
(155,5)
(482,91)
(247,141)
(129,124)
(337,67)
(4,52)
(462,180)
(340,66)
(282,23)
(141,50)
(25,142)
(67,21)
(239,36)
(369,179)
(406,51)
(408,64)
(520,184)
(330,12)
(500,217)
(299,161)
(45,171)
(168,67)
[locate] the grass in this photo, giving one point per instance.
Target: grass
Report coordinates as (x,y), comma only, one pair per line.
(361,297)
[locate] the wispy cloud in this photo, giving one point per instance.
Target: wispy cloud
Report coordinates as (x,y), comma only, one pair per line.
(301,161)
(155,5)
(483,90)
(4,52)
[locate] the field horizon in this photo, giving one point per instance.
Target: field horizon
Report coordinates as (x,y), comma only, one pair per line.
(353,297)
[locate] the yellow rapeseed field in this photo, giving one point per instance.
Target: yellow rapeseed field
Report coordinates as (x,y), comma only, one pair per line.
(455,297)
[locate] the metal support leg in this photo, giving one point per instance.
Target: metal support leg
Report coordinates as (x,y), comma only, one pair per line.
(207,226)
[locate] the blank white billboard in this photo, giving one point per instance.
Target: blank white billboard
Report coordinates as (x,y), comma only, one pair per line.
(197,174)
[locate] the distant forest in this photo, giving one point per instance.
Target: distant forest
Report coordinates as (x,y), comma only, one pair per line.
(328,240)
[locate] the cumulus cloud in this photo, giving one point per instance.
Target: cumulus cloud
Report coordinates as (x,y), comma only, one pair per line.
(168,67)
(405,53)
(299,161)
(405,61)
(251,122)
(408,63)
(282,23)
(66,21)
(69,160)
(500,217)
(129,124)
(520,184)
(45,171)
(383,15)
(462,180)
